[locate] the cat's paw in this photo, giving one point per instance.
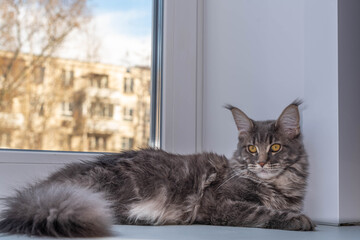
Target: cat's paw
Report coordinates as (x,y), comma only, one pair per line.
(291,221)
(300,222)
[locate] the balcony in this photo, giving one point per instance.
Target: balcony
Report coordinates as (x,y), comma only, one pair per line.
(11,120)
(103,93)
(104,126)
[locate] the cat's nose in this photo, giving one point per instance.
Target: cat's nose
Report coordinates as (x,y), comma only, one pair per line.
(261,164)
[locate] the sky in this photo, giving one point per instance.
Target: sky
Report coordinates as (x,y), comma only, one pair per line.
(119,33)
(137,14)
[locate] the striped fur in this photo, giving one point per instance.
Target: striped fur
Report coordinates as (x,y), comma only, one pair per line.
(154,187)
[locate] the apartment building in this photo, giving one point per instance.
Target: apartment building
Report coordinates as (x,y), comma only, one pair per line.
(69,105)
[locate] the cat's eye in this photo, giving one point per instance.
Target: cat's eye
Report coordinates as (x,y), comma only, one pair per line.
(275,147)
(252,149)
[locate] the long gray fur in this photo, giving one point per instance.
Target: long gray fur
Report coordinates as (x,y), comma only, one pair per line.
(154,187)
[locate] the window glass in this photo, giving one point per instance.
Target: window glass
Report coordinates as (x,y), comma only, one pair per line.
(75,74)
(128,113)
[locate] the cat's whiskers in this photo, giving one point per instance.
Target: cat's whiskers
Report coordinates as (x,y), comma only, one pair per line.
(236,174)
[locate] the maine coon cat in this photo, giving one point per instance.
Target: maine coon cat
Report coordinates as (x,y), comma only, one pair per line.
(262,185)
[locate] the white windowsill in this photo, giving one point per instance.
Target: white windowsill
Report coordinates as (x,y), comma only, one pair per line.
(200,232)
(13,156)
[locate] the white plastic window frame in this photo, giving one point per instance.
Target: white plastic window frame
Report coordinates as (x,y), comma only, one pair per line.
(181,128)
(179,124)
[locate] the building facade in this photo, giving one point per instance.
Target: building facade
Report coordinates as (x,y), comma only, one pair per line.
(69,105)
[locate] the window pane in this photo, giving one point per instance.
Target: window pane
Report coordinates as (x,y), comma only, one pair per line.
(75,74)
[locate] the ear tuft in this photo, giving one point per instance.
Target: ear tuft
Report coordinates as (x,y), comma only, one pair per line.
(243,123)
(289,120)
(297,102)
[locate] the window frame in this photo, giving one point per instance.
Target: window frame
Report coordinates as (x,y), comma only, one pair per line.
(128,114)
(67,109)
(128,87)
(181,128)
(156,107)
(128,142)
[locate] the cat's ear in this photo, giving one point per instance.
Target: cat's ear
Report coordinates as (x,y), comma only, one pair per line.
(289,121)
(243,123)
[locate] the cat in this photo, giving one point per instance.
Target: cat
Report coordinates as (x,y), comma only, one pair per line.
(262,185)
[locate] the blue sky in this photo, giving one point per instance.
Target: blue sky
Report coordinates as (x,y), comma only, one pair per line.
(136,26)
(119,33)
(121,4)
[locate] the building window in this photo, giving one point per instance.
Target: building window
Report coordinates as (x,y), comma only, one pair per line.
(127,143)
(97,142)
(66,109)
(39,74)
(99,80)
(107,110)
(128,114)
(100,109)
(67,78)
(128,85)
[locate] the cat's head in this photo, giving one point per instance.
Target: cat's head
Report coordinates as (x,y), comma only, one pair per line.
(267,148)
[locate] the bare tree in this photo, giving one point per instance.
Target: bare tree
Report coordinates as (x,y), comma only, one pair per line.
(32,33)
(36,27)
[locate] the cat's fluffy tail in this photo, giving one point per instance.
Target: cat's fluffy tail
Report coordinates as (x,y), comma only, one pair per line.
(56,210)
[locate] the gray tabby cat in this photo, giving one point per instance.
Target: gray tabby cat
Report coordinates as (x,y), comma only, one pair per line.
(263,185)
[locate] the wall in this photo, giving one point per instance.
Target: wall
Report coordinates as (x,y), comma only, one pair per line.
(260,56)
(349,112)
(320,119)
